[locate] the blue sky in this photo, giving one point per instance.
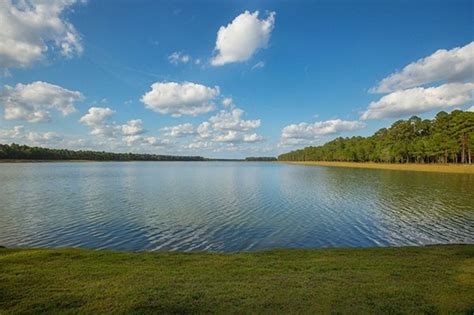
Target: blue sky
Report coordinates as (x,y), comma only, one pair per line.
(298,72)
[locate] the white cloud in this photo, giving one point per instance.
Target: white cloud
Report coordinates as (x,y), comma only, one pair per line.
(235,136)
(470,109)
(232,120)
(178,57)
(455,65)
(180,99)
(130,133)
(18,134)
(204,130)
(199,145)
(228,101)
(156,142)
(419,100)
(132,139)
(229,136)
(240,39)
(228,126)
(258,65)
(14,133)
(29,29)
(133,127)
(40,137)
(137,141)
(97,118)
(299,133)
(32,102)
(225,131)
(252,138)
(179,130)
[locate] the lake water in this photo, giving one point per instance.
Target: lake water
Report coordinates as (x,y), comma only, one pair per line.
(227,206)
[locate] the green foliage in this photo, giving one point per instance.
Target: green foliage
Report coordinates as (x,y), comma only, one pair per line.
(23,152)
(260,159)
(448,138)
(406,280)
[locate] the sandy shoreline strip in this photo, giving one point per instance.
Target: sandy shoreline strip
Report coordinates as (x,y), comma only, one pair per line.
(437,168)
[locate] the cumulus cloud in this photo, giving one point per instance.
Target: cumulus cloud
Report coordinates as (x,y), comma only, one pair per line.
(300,133)
(419,100)
(138,141)
(13,133)
(241,38)
(41,137)
(29,29)
(131,133)
(252,138)
(229,136)
(18,134)
(98,119)
(96,116)
(234,136)
(230,127)
(227,130)
(132,127)
(32,102)
(470,109)
(232,120)
(132,139)
(455,65)
(180,99)
(204,129)
(179,130)
(178,57)
(199,145)
(228,101)
(408,94)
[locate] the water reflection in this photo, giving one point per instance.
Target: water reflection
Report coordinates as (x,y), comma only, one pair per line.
(229,206)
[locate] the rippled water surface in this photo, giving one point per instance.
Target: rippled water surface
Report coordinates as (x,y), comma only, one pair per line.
(229,206)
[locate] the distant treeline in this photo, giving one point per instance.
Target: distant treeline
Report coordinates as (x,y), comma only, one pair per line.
(448,138)
(260,159)
(23,152)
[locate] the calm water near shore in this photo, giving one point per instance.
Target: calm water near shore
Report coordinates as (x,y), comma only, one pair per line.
(229,206)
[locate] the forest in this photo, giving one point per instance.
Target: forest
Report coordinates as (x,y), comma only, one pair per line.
(448,138)
(260,159)
(23,152)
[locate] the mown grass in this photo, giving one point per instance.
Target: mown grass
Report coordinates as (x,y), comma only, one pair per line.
(434,279)
(437,168)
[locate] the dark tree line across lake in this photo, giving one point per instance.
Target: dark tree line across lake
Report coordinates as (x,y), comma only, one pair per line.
(23,152)
(448,138)
(260,159)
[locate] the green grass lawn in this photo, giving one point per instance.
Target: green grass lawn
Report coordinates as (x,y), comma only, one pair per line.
(434,279)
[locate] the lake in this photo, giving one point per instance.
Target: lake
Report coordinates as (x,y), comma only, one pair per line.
(229,206)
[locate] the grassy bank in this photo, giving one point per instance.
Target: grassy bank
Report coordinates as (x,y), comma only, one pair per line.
(434,279)
(437,168)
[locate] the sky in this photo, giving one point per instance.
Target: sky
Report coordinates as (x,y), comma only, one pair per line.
(226,79)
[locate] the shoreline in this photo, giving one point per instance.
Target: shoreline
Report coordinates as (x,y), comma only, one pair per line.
(104,161)
(434,168)
(433,279)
